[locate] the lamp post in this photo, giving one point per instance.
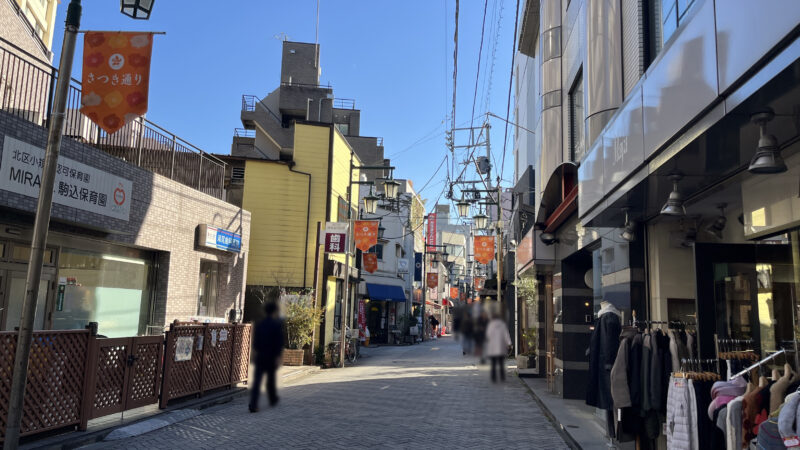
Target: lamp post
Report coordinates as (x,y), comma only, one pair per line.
(43,208)
(370,206)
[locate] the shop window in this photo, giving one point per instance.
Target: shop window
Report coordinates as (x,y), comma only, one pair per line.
(576,125)
(208,290)
(378,250)
(110,289)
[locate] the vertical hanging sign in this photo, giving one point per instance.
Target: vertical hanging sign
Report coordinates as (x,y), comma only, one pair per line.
(484,249)
(430,235)
(417,266)
(433,280)
(366,234)
(116,77)
(370,262)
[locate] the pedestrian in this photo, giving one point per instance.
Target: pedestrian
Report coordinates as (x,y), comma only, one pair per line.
(434,325)
(268,343)
(497,342)
(479,333)
(466,332)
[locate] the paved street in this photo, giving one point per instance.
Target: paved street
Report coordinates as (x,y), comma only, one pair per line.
(422,396)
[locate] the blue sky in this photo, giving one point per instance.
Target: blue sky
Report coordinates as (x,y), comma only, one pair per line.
(394,58)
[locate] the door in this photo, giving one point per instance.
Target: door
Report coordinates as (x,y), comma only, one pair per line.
(13,293)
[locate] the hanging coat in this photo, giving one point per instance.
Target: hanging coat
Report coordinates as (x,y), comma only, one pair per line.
(603,348)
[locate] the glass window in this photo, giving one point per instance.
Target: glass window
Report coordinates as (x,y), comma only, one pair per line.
(208,290)
(109,289)
(377,249)
(343,128)
(16,295)
(22,253)
(576,126)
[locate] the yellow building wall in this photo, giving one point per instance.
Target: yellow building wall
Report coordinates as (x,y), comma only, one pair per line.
(340,178)
(278,199)
(330,309)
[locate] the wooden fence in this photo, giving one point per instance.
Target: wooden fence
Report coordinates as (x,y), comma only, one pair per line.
(74,376)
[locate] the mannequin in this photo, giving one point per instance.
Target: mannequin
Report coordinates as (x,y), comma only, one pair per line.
(602,352)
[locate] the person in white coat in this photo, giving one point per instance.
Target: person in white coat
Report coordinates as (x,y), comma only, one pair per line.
(497,342)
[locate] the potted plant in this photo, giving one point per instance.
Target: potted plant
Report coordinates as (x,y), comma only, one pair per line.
(301,318)
(527,290)
(527,358)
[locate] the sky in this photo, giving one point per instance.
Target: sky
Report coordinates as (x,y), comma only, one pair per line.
(394,58)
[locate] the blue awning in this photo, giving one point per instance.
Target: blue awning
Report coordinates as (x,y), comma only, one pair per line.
(385,292)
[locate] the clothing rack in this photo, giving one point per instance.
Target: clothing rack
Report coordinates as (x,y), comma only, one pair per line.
(759,363)
(698,365)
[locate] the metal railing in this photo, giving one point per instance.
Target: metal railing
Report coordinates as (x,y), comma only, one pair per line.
(344,103)
(244,133)
(251,103)
(306,85)
(26,91)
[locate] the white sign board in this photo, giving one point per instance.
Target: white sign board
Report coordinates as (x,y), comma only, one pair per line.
(334,228)
(183,348)
(402,266)
(77,185)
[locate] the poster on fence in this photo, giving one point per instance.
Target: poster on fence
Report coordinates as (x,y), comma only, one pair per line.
(183,348)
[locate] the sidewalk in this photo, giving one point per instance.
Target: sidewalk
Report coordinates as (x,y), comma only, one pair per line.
(102,426)
(574,417)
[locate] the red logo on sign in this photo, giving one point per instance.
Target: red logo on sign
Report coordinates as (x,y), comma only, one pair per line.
(119,195)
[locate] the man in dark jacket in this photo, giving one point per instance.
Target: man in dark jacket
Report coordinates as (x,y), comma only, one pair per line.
(268,343)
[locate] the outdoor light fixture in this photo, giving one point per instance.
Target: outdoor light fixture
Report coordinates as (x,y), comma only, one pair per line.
(629,230)
(674,205)
(381,230)
(719,222)
(768,157)
(370,203)
(548,238)
(480,220)
(463,208)
(390,188)
(137,9)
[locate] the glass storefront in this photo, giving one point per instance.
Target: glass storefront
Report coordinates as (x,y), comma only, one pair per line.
(208,290)
(105,288)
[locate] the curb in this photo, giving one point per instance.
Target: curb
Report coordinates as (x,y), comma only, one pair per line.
(562,431)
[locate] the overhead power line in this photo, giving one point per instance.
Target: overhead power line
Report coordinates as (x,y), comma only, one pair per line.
(478,74)
(510,84)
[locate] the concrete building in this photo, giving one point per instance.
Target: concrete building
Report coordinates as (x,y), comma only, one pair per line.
(633,103)
(130,247)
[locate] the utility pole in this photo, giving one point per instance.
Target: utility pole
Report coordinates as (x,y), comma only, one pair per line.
(40,227)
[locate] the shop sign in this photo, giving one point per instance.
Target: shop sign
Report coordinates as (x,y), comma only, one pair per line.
(335,239)
(433,279)
(454,292)
(479,282)
(183,348)
(366,234)
(525,250)
(217,238)
(362,317)
(213,338)
(77,185)
(223,335)
(370,262)
(484,249)
(430,236)
(417,266)
(402,266)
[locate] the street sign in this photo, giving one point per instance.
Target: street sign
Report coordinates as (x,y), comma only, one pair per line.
(335,238)
(402,266)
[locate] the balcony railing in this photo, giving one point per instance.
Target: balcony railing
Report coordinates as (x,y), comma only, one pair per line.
(344,103)
(251,103)
(244,133)
(28,86)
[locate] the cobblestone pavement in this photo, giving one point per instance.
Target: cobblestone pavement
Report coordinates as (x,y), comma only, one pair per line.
(422,396)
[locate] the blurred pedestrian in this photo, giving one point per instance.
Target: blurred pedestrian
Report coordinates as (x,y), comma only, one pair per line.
(498,340)
(467,332)
(479,333)
(434,326)
(268,343)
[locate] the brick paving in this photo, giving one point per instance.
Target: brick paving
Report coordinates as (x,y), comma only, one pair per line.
(422,396)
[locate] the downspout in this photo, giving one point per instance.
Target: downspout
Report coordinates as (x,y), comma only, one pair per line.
(308,218)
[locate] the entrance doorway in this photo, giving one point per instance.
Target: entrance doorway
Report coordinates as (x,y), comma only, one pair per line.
(12,295)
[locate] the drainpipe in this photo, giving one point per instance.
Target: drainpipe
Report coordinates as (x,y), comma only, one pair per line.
(308,218)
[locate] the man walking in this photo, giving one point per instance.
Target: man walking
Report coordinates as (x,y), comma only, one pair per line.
(268,343)
(497,342)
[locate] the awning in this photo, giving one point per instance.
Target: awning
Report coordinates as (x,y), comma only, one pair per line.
(386,292)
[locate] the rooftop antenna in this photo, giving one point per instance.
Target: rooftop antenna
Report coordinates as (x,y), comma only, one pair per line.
(283,37)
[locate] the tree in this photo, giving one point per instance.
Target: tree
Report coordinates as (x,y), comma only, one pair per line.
(301,318)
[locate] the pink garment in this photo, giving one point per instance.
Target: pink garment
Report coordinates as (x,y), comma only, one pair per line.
(719,401)
(735,387)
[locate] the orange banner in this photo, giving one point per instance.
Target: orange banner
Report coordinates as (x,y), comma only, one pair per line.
(370,262)
(366,234)
(116,76)
(433,279)
(479,281)
(454,293)
(484,249)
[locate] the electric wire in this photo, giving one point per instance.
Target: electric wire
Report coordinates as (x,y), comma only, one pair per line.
(510,84)
(478,74)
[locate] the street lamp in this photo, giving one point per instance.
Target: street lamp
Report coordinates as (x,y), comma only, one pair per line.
(137,9)
(463,208)
(480,220)
(390,188)
(42,219)
(381,230)
(370,203)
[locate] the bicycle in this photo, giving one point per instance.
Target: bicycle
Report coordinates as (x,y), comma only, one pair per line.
(351,351)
